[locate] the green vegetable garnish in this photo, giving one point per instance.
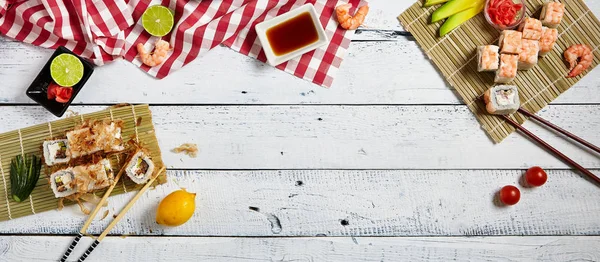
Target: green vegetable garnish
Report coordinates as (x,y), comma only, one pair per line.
(24,175)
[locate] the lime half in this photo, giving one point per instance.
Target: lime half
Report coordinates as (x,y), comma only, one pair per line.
(66,70)
(158,20)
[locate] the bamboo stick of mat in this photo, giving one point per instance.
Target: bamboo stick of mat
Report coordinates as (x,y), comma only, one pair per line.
(560,130)
(120,216)
(91,217)
(553,150)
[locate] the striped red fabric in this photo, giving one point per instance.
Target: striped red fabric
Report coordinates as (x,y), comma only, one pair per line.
(106,30)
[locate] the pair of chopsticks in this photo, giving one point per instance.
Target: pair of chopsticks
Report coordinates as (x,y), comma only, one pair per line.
(113,223)
(552,149)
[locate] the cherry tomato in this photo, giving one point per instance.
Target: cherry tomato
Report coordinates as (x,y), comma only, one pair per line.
(536,176)
(510,195)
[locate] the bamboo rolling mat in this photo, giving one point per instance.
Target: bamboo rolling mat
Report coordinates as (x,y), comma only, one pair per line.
(137,125)
(455,57)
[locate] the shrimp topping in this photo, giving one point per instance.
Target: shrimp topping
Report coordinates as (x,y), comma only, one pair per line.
(161,48)
(347,21)
(580,57)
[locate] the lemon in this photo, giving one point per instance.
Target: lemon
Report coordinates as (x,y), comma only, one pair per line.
(158,20)
(176,208)
(66,70)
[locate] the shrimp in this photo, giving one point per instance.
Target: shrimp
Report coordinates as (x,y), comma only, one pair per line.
(580,57)
(161,48)
(346,20)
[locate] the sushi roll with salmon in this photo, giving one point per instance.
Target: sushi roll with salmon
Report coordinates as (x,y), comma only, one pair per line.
(548,39)
(510,42)
(488,58)
(528,57)
(552,14)
(531,29)
(56,152)
(502,100)
(140,167)
(508,69)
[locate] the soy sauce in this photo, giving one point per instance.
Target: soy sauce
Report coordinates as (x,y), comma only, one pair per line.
(292,34)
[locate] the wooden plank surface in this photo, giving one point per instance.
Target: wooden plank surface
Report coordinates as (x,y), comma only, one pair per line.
(238,125)
(348,203)
(403,75)
(543,248)
(346,137)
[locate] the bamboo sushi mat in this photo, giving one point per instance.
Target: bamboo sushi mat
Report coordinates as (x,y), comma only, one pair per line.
(137,125)
(455,57)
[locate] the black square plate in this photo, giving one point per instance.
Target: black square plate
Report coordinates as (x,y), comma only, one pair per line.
(39,87)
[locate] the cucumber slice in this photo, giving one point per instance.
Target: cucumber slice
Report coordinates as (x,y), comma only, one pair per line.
(451,8)
(456,20)
(434,2)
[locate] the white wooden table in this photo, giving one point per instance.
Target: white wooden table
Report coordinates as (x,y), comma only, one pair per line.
(387,165)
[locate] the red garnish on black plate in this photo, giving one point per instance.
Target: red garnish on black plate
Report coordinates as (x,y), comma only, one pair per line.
(59,93)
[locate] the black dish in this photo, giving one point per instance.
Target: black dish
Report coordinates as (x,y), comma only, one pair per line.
(39,87)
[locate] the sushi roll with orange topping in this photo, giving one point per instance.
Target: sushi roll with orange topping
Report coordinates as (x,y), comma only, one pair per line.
(548,39)
(531,29)
(510,42)
(508,69)
(552,14)
(488,58)
(528,57)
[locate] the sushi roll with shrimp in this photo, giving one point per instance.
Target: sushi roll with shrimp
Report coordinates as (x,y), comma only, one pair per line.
(488,58)
(56,152)
(508,69)
(547,41)
(502,100)
(510,42)
(552,14)
(528,57)
(531,29)
(63,183)
(140,167)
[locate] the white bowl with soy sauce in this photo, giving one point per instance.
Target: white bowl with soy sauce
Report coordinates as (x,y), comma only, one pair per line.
(291,34)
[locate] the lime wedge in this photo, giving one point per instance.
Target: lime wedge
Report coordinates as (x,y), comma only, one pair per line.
(158,20)
(66,70)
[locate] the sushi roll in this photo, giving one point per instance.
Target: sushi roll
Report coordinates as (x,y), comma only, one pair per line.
(548,39)
(488,58)
(502,100)
(528,57)
(508,69)
(56,152)
(94,176)
(63,183)
(531,29)
(510,42)
(81,142)
(552,14)
(108,136)
(140,167)
(95,137)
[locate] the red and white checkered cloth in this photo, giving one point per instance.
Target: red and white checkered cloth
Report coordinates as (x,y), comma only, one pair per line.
(104,30)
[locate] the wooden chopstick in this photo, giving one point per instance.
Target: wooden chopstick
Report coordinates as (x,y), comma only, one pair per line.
(91,217)
(120,216)
(553,150)
(560,130)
